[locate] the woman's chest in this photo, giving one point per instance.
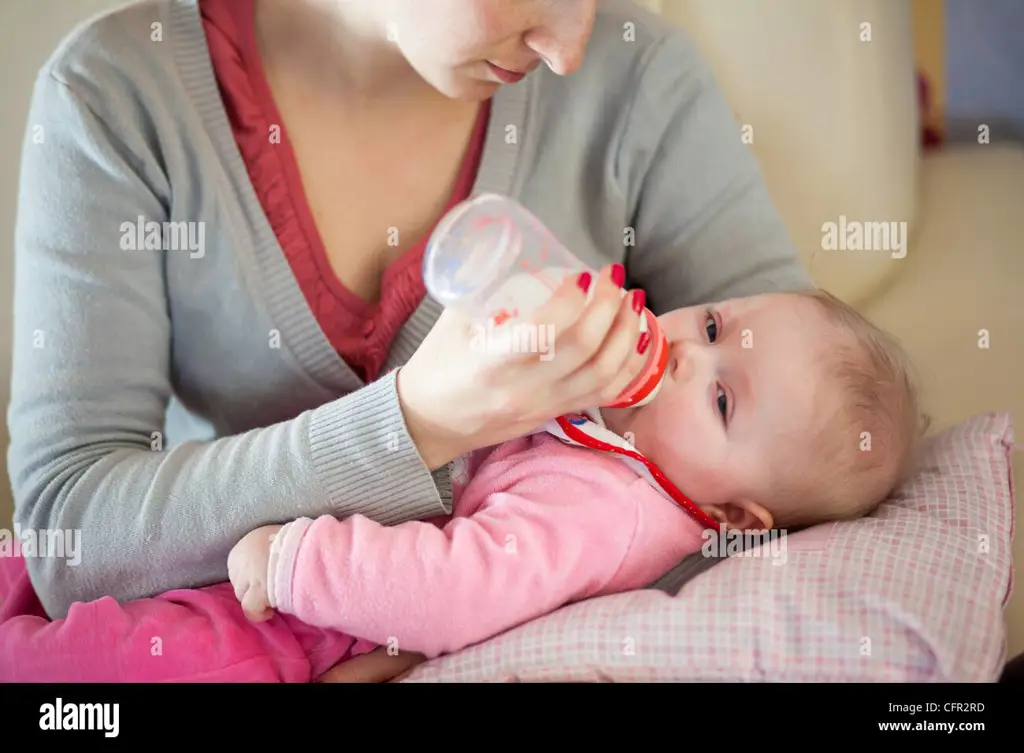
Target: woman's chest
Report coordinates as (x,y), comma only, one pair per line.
(372,194)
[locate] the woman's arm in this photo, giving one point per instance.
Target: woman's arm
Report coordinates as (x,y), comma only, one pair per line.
(706,227)
(91,382)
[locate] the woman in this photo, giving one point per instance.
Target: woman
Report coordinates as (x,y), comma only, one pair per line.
(302,151)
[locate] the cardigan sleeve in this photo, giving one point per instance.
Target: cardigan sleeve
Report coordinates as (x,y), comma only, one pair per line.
(706,226)
(92,377)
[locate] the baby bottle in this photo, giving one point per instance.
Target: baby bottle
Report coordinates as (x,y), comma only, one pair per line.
(491,258)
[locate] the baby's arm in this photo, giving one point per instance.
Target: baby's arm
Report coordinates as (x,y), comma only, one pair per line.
(541,542)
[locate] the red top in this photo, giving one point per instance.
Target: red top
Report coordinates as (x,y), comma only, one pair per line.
(361,332)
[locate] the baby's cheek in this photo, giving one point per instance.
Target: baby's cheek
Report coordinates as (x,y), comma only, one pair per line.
(696,468)
(711,485)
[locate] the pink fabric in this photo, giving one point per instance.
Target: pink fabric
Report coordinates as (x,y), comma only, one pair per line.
(185,635)
(180,636)
(540,524)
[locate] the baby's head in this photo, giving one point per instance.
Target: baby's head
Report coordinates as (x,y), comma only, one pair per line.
(780,411)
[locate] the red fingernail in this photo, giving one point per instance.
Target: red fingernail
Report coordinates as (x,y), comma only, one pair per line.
(618,274)
(638,300)
(584,282)
(645,340)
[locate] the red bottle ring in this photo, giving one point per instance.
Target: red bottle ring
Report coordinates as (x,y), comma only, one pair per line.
(647,381)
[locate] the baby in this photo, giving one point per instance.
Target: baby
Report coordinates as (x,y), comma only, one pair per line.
(777,411)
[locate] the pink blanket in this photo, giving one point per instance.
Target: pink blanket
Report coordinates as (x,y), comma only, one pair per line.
(180,636)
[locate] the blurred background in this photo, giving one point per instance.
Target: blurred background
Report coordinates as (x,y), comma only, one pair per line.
(972,53)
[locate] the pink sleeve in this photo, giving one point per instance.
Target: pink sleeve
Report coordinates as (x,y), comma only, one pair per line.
(531,549)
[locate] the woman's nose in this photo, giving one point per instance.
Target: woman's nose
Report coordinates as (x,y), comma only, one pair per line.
(562,40)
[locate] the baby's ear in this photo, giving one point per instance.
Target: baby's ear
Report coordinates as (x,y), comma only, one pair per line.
(742,514)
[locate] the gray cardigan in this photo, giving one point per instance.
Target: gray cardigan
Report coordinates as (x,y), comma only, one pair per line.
(168,398)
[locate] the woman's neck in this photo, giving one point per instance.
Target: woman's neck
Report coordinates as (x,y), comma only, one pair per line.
(340,48)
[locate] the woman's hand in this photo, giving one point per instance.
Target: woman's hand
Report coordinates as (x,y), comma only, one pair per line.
(459,392)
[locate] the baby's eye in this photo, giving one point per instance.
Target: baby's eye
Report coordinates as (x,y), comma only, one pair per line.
(711,328)
(723,403)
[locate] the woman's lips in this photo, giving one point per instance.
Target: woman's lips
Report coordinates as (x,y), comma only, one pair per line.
(506,76)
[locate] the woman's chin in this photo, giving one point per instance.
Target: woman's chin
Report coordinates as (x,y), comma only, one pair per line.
(463,84)
(473,90)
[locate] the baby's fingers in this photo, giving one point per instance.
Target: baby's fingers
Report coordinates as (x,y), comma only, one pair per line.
(240,585)
(255,604)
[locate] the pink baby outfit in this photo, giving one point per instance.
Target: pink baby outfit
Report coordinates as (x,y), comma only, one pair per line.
(536,524)
(540,524)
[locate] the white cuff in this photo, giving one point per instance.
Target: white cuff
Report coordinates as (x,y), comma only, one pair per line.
(275,553)
(284,551)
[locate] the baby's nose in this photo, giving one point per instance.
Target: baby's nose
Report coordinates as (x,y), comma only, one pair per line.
(681,364)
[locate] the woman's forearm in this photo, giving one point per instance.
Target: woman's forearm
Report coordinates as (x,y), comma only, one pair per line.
(152,521)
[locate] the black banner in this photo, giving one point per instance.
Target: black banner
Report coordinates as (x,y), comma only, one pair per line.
(111,715)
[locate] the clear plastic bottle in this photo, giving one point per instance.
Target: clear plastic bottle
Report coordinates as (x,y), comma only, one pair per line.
(491,258)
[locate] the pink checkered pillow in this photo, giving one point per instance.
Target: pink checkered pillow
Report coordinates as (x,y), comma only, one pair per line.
(913,593)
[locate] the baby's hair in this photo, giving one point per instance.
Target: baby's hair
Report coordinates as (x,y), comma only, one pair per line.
(871,445)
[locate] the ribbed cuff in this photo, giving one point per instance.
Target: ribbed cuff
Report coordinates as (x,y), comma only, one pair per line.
(284,551)
(272,560)
(368,463)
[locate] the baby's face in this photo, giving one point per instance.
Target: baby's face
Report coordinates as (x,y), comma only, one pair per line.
(740,395)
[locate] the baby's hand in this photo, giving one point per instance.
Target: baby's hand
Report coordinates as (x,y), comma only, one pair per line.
(247,569)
